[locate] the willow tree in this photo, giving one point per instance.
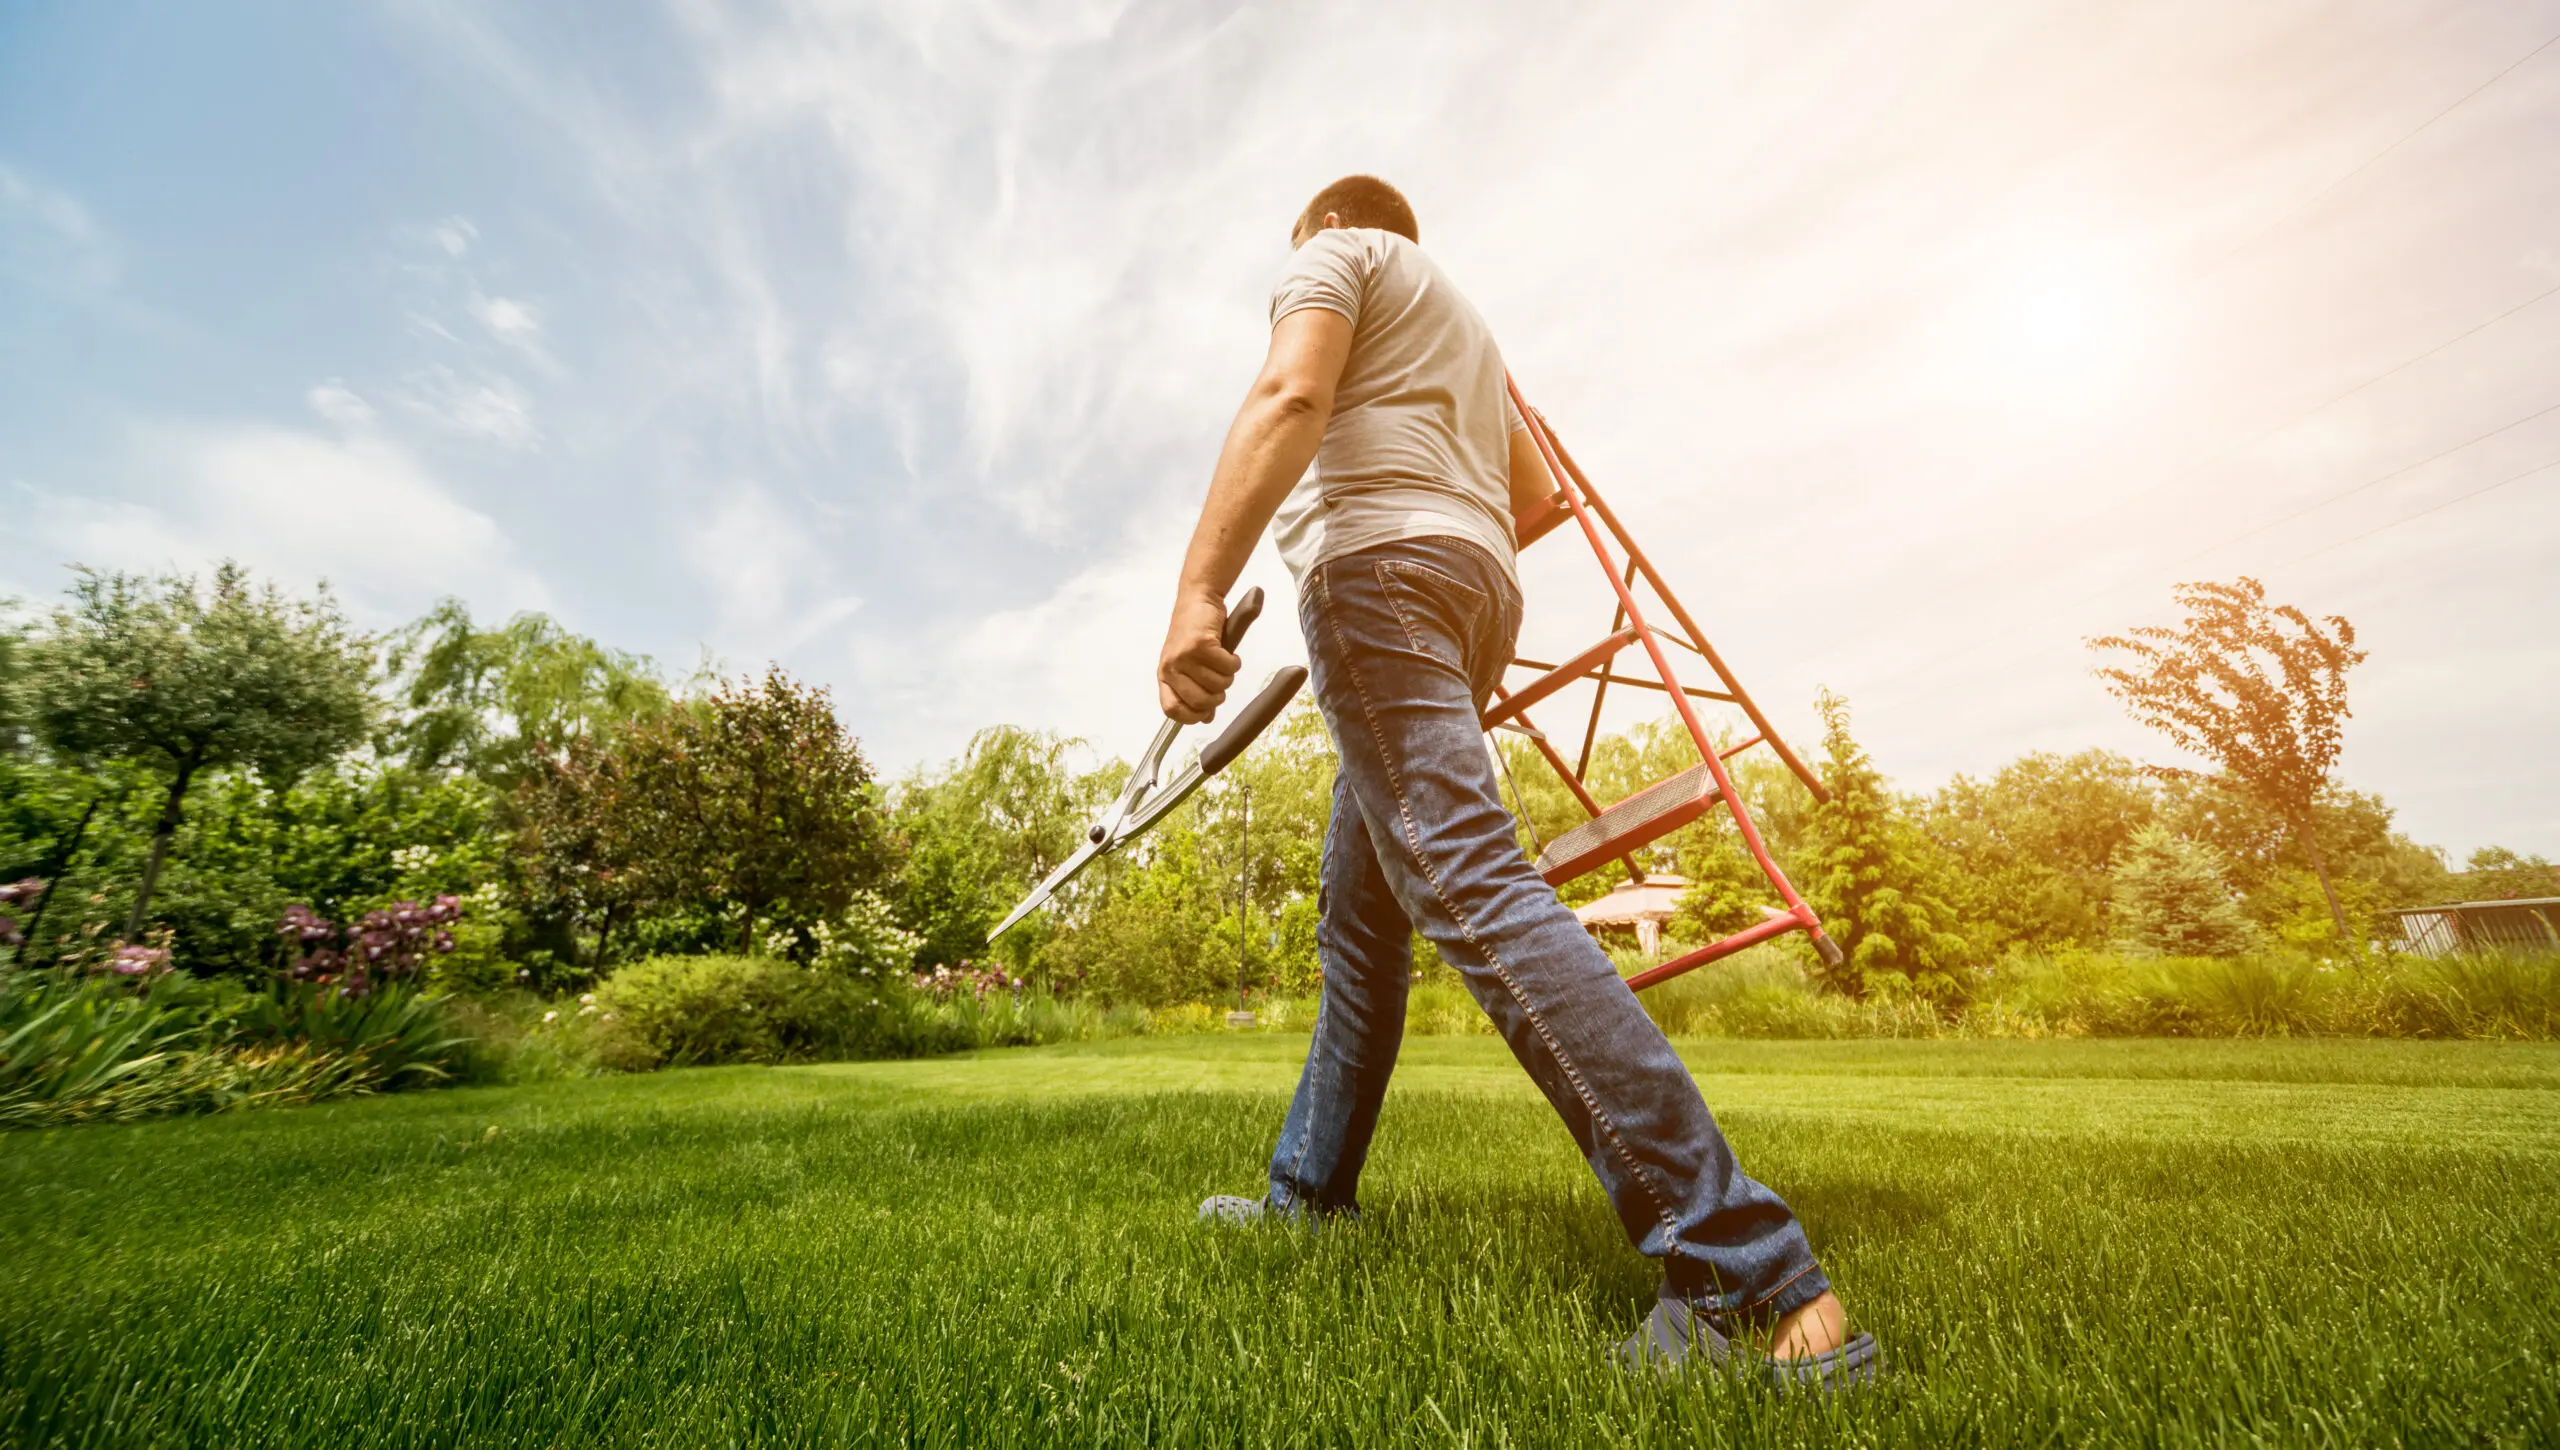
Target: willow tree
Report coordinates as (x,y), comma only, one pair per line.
(2259,689)
(502,702)
(187,680)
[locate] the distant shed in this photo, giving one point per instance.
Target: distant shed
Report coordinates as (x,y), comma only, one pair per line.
(2530,925)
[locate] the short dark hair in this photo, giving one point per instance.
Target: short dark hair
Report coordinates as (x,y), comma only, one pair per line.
(1362,201)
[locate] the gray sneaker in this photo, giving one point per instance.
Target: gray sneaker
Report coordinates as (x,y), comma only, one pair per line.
(1228,1208)
(1677,1336)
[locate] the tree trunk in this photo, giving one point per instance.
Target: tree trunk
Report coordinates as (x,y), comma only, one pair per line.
(2320,867)
(53,881)
(160,837)
(747,932)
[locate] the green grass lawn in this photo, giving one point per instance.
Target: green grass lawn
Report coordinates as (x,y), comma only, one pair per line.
(2076,1242)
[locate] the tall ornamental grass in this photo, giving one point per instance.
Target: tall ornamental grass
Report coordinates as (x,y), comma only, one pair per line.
(76,1049)
(1764,993)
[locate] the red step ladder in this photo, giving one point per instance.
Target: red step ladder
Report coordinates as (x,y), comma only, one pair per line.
(1617,832)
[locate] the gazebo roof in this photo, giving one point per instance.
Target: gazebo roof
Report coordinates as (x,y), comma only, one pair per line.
(1631,903)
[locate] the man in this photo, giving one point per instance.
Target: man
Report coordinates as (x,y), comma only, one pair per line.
(1400,539)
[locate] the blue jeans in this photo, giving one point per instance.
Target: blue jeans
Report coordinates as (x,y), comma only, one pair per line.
(1405,642)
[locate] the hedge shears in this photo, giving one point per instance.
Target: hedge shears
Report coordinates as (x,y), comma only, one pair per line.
(1142,803)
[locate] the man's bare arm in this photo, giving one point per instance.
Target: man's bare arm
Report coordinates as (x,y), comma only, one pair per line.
(1268,447)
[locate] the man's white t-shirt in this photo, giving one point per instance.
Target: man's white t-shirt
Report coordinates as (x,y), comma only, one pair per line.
(1419,443)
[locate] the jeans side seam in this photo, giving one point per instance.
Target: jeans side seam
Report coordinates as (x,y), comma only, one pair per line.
(1581,1087)
(1306,1140)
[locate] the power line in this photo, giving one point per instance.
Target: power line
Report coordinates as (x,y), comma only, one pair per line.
(2411,135)
(2315,507)
(2422,513)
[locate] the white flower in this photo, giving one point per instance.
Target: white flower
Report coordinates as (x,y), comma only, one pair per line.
(589,998)
(551,1016)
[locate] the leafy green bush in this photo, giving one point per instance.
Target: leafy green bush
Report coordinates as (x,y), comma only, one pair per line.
(668,1011)
(671,1011)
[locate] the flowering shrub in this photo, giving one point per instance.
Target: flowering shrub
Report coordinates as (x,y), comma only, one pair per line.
(946,982)
(17,893)
(866,941)
(384,945)
(132,959)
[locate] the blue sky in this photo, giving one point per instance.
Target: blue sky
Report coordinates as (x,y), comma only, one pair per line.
(893,341)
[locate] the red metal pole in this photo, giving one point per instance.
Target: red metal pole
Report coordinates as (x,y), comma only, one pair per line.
(1697,636)
(1801,914)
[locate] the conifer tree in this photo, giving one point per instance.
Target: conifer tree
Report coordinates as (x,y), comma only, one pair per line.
(2173,896)
(1876,879)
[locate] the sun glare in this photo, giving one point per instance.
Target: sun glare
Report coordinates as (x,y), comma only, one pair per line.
(2060,330)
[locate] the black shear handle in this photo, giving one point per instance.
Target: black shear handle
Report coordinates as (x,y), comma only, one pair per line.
(1257,714)
(1240,618)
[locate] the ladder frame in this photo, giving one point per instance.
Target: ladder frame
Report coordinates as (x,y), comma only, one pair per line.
(1577,502)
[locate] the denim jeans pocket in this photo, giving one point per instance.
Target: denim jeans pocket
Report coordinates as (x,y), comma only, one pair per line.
(1440,614)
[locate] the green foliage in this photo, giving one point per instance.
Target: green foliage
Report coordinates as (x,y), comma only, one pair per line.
(497,702)
(334,840)
(670,1011)
(2495,873)
(980,831)
(1726,890)
(574,862)
(1147,932)
(2173,896)
(865,941)
(75,1049)
(2035,844)
(755,796)
(1876,880)
(1281,792)
(2258,689)
(186,681)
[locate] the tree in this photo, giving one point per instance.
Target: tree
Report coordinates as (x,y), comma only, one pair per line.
(978,832)
(2258,689)
(2173,896)
(1726,890)
(2035,842)
(754,796)
(495,702)
(188,681)
(576,864)
(2495,873)
(1875,879)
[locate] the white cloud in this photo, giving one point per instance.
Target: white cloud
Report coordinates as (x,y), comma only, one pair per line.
(491,410)
(509,321)
(772,585)
(453,236)
(355,510)
(336,402)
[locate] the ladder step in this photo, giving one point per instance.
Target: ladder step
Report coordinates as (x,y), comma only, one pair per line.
(1648,815)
